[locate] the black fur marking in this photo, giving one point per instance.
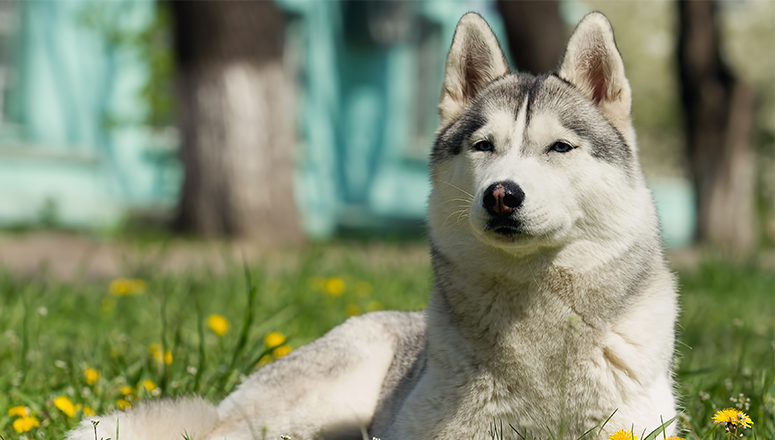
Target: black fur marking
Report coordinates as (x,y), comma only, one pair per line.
(607,145)
(533,89)
(451,138)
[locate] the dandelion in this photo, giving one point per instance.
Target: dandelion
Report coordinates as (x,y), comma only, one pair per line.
(155,351)
(18,411)
(274,339)
(65,405)
(623,434)
(149,385)
(123,404)
(334,286)
(352,310)
(734,419)
(88,411)
(218,324)
(265,359)
(733,416)
(126,390)
(126,287)
(92,376)
(281,351)
(25,423)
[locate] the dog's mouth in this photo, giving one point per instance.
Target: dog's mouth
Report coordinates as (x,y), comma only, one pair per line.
(505,228)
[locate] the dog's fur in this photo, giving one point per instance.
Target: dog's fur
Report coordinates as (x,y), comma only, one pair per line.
(552,308)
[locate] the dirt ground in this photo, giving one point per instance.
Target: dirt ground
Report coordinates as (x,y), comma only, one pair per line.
(70,256)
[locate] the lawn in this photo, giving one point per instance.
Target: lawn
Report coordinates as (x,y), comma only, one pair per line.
(72,348)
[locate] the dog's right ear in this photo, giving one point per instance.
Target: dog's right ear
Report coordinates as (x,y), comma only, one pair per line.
(474,61)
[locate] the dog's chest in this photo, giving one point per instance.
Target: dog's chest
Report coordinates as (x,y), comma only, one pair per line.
(535,376)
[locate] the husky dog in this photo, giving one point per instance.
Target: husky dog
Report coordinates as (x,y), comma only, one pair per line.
(553,309)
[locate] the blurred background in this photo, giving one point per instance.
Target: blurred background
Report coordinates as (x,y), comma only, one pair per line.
(289,121)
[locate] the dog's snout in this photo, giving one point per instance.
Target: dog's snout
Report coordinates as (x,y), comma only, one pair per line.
(502,198)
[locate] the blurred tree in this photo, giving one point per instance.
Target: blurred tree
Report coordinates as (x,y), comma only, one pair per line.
(236,118)
(536,34)
(718,110)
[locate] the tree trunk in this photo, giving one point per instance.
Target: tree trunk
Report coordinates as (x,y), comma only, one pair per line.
(236,120)
(536,34)
(718,111)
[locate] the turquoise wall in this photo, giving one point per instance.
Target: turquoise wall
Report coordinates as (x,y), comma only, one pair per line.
(72,138)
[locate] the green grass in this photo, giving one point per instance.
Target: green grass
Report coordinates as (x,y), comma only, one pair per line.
(52,331)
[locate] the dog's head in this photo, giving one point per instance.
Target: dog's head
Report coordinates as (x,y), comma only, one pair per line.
(522,162)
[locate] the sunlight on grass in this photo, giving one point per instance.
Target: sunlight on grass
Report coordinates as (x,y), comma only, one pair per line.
(70,350)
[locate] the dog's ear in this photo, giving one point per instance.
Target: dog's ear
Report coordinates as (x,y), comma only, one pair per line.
(474,61)
(593,64)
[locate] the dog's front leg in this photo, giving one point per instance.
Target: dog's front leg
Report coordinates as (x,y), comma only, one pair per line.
(329,388)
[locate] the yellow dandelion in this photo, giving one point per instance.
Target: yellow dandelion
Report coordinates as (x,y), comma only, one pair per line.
(733,416)
(623,434)
(149,385)
(25,423)
(124,287)
(123,404)
(352,310)
(265,359)
(92,376)
(281,351)
(218,324)
(65,405)
(155,351)
(88,411)
(18,411)
(127,390)
(274,339)
(374,306)
(334,286)
(119,287)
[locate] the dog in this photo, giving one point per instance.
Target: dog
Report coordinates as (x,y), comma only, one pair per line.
(553,309)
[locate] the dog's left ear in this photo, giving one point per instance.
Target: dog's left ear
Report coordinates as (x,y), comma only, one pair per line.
(474,61)
(593,64)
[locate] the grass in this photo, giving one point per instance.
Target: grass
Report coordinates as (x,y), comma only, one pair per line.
(100,349)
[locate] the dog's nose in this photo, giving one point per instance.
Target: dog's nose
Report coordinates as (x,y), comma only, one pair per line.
(502,198)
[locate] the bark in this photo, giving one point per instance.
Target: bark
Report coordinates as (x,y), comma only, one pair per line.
(718,111)
(536,34)
(236,120)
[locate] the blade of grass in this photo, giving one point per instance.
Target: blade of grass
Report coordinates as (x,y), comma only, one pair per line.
(653,434)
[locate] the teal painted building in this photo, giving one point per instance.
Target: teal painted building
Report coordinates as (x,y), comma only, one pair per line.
(76,148)
(73,147)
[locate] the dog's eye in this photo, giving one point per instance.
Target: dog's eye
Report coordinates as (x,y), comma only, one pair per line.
(483,146)
(561,147)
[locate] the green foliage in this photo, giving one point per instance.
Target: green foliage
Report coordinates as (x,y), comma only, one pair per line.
(151,44)
(53,331)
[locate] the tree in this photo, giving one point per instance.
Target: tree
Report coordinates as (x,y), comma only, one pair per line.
(536,34)
(236,119)
(718,110)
